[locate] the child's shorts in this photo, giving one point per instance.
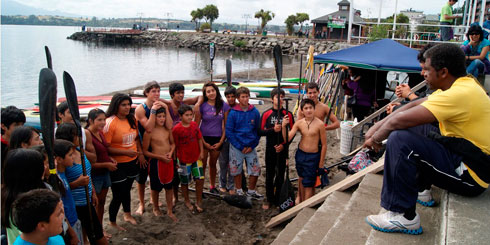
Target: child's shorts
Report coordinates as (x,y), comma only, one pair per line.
(236,162)
(306,166)
(161,175)
(188,170)
(101,181)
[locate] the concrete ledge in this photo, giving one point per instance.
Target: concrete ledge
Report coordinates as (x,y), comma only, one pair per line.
(350,227)
(292,228)
(468,219)
(323,219)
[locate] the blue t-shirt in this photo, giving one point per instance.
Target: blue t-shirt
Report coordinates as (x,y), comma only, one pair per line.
(54,240)
(72,174)
(482,44)
(211,123)
(68,202)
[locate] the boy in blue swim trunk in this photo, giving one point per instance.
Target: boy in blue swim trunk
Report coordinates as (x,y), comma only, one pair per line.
(308,159)
(189,148)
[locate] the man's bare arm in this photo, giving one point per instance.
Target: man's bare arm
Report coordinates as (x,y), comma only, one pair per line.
(147,123)
(412,117)
(334,122)
(323,140)
(379,124)
(90,152)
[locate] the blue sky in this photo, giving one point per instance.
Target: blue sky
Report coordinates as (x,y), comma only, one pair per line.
(231,11)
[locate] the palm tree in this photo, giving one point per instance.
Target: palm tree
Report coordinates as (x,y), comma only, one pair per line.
(265,16)
(197,15)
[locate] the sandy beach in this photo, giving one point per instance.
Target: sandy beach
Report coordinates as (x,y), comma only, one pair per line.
(220,223)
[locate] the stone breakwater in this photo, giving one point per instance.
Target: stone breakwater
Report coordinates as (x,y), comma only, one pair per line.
(232,42)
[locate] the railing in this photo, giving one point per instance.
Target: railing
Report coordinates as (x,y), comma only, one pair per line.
(114,30)
(412,34)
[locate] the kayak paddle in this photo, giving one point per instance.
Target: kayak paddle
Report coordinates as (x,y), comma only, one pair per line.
(71,99)
(47,112)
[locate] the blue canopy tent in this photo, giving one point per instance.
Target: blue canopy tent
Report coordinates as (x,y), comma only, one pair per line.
(382,55)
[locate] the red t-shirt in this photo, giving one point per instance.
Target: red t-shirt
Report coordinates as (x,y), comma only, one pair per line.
(187,142)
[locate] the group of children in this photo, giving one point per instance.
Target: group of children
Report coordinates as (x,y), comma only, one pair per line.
(171,143)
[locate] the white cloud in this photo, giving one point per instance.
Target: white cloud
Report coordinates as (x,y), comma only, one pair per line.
(231,11)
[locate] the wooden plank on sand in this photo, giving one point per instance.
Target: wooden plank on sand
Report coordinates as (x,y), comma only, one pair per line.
(321,196)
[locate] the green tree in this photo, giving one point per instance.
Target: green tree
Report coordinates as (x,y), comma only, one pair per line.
(210,13)
(32,19)
(378,32)
(400,18)
(197,15)
(290,22)
(401,31)
(264,16)
(301,18)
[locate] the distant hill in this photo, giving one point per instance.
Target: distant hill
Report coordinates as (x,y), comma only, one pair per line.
(11,7)
(15,13)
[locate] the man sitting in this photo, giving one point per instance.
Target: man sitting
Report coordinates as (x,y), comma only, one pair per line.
(418,157)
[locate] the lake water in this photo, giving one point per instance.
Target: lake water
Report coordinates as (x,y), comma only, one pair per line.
(101,68)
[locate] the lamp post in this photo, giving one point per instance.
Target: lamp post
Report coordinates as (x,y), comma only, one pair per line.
(168,14)
(246,17)
(141,18)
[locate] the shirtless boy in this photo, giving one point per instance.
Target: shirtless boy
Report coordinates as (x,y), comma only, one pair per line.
(161,166)
(145,114)
(308,157)
(321,110)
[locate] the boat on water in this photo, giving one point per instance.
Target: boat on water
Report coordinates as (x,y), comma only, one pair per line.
(87,103)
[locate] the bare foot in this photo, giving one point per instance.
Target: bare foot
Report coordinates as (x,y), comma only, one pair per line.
(157,212)
(159,203)
(140,210)
(130,219)
(265,206)
(222,189)
(115,225)
(199,209)
(172,216)
(107,235)
(189,206)
(232,192)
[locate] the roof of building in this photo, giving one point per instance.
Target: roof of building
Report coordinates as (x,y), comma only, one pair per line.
(340,13)
(344,2)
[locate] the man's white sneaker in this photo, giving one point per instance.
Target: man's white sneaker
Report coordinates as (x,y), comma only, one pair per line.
(395,222)
(425,198)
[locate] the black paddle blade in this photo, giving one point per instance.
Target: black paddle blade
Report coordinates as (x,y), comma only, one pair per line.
(228,72)
(48,57)
(278,62)
(71,98)
(47,112)
(238,201)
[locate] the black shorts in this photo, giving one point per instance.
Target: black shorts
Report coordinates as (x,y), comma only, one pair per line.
(212,140)
(83,216)
(124,171)
(155,183)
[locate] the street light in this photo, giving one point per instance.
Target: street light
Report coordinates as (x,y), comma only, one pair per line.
(168,14)
(246,17)
(141,20)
